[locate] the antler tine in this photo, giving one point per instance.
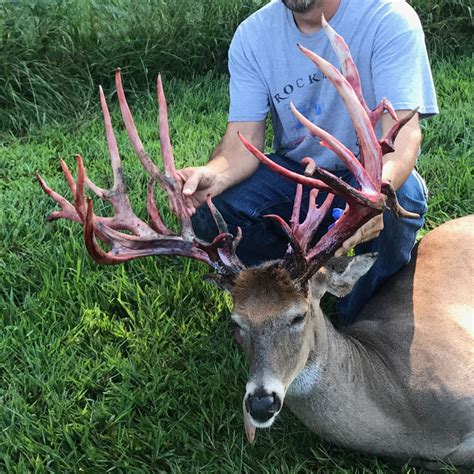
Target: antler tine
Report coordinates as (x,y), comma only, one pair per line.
(124,217)
(326,182)
(370,148)
(67,209)
(350,72)
(119,184)
(141,239)
(156,222)
(305,180)
(306,230)
(169,180)
(175,195)
(137,144)
(224,245)
(387,141)
(349,69)
(301,234)
(346,156)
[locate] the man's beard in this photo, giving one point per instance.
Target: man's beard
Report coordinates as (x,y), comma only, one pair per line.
(300,6)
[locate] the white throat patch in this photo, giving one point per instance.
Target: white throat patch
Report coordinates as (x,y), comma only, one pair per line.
(306,380)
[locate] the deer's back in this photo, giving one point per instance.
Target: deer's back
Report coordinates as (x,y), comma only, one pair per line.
(435,291)
(443,308)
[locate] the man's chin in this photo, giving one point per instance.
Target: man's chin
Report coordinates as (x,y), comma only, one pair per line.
(299,6)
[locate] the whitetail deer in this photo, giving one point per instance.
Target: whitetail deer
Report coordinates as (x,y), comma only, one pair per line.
(398,382)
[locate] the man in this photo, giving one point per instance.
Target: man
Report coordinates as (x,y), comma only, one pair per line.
(267,71)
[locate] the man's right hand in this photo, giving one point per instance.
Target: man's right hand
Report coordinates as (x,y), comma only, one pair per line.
(198,183)
(230,164)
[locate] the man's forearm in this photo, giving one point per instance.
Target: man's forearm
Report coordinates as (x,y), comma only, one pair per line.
(231,166)
(231,161)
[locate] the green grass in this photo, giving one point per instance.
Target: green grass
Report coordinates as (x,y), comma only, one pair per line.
(49,49)
(447,154)
(448,24)
(133,368)
(53,53)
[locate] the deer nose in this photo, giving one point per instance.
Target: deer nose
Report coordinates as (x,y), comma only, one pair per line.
(262,405)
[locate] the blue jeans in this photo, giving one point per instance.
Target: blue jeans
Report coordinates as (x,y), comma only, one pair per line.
(266,192)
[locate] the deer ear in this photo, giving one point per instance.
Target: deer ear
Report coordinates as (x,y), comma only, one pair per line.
(342,273)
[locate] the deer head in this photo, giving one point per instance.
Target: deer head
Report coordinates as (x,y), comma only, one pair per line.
(277,322)
(276,305)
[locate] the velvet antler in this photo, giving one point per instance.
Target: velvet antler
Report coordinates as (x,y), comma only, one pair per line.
(141,239)
(372,196)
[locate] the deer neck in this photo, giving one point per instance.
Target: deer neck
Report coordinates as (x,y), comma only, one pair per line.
(337,364)
(336,386)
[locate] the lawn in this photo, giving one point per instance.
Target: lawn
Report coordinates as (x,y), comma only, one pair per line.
(133,368)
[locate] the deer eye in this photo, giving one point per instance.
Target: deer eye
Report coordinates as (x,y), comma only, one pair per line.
(298,320)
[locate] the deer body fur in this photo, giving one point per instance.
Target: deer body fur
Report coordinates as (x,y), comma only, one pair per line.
(400,381)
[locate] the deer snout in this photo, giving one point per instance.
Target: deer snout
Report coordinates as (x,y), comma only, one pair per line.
(262,406)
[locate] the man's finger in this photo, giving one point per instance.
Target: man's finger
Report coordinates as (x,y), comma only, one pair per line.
(190,207)
(191,184)
(181,176)
(339,252)
(352,241)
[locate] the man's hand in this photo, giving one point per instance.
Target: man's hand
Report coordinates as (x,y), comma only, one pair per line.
(198,183)
(370,230)
(230,164)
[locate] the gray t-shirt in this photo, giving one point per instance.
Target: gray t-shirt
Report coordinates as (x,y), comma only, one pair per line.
(267,71)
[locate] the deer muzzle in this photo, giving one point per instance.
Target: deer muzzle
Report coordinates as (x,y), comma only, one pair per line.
(262,406)
(263,402)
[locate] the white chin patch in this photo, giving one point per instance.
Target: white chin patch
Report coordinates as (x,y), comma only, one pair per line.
(263,424)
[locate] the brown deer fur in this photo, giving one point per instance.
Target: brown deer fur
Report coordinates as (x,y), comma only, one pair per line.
(398,382)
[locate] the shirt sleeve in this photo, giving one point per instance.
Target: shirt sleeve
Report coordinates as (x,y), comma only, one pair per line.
(400,66)
(248,93)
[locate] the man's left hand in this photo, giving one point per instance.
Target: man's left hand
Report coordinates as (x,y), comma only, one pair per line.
(370,230)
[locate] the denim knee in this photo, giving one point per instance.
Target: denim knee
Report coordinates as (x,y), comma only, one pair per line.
(413,194)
